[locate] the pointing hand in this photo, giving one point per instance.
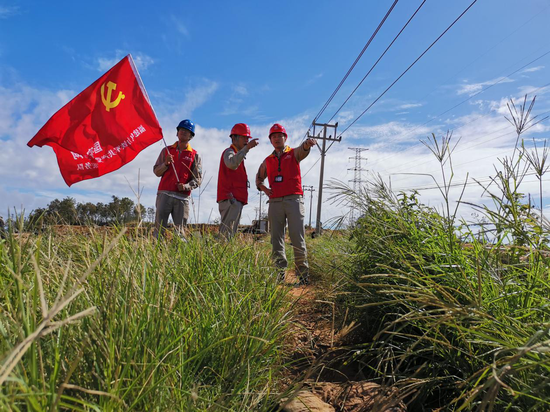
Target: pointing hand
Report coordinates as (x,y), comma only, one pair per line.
(309,143)
(252,143)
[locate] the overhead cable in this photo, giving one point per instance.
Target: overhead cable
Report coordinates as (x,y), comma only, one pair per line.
(408,68)
(380,58)
(355,62)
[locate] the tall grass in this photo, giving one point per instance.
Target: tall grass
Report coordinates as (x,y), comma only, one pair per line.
(456,321)
(172,325)
(456,326)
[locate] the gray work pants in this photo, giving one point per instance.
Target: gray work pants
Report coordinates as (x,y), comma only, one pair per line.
(168,204)
(291,209)
(230,217)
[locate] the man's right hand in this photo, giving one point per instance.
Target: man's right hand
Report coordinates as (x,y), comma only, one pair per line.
(169,160)
(267,190)
(252,143)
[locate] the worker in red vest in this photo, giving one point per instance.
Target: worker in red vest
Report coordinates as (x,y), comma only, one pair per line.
(286,203)
(232,179)
(179,167)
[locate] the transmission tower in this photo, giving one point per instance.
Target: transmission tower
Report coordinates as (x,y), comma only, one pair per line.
(357,174)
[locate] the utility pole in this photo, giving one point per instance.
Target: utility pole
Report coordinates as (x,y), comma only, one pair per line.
(309,189)
(325,126)
(260,214)
(357,175)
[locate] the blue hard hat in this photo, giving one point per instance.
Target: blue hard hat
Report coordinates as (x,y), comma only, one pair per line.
(187,124)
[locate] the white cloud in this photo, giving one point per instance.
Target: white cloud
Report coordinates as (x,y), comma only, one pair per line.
(314,79)
(104,64)
(345,116)
(533,90)
(242,101)
(180,27)
(141,60)
(532,69)
(8,11)
(171,111)
(240,89)
(394,149)
(389,134)
(471,89)
(410,105)
(236,99)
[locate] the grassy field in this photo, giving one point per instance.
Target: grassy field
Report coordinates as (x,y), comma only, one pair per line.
(114,320)
(94,321)
(451,315)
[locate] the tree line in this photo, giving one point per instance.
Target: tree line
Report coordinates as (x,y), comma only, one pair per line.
(70,212)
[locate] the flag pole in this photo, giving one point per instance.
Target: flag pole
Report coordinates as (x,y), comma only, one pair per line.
(173,167)
(152,108)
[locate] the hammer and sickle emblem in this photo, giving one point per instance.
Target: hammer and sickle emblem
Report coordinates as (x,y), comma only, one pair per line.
(107,100)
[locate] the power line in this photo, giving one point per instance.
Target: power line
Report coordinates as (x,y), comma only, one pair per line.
(460,71)
(462,150)
(408,68)
(317,161)
(377,61)
(489,86)
(324,150)
(356,60)
(458,128)
(354,63)
(501,79)
(539,13)
(466,183)
(475,145)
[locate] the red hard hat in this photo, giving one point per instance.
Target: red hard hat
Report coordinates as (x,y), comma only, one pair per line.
(277,128)
(241,129)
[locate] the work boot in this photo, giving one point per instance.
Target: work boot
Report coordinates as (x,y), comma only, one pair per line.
(303,282)
(303,278)
(281,276)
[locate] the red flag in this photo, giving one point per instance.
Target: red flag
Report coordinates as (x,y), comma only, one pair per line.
(102,128)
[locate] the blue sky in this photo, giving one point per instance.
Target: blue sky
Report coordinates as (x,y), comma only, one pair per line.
(219,63)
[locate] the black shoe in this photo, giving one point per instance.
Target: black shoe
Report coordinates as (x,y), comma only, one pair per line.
(303,282)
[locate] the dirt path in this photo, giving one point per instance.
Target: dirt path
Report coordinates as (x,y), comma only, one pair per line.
(315,347)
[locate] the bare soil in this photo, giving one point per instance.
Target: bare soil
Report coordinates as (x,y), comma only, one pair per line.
(316,348)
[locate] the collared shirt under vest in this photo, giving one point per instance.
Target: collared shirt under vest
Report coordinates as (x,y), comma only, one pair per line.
(283,174)
(183,161)
(232,181)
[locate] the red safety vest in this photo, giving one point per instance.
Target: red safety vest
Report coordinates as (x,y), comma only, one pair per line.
(232,181)
(288,167)
(183,161)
